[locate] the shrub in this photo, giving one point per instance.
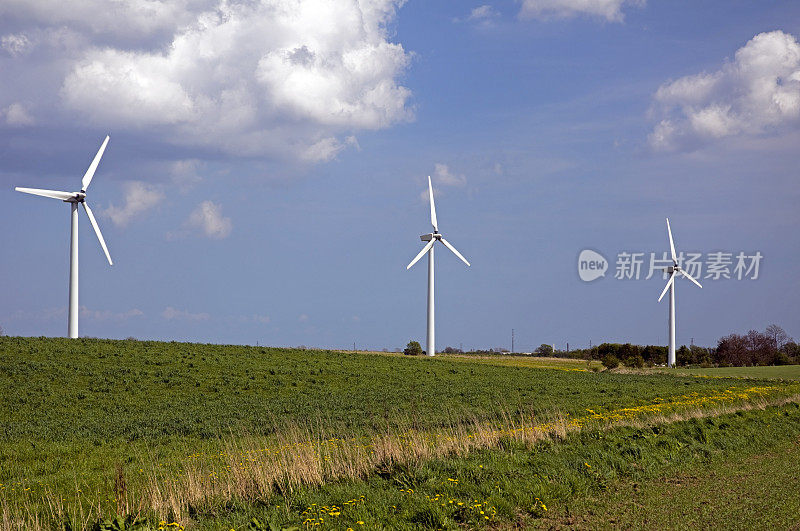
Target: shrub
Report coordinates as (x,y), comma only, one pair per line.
(610,361)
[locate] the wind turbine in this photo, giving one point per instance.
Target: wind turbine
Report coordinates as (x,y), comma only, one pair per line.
(432,238)
(74,198)
(673,271)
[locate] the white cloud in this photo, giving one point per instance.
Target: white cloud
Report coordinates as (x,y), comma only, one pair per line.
(139,198)
(209,219)
(442,176)
(17,115)
(445,177)
(108,315)
(185,174)
(171,314)
(303,318)
(482,13)
(275,77)
(483,16)
(53,314)
(610,10)
(102,17)
(756,93)
(16,44)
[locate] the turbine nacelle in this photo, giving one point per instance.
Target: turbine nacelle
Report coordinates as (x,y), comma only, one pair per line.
(79,197)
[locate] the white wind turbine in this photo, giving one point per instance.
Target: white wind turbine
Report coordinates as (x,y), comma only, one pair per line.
(74,198)
(432,238)
(673,271)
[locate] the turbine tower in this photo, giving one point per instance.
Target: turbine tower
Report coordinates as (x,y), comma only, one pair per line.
(673,271)
(432,238)
(74,198)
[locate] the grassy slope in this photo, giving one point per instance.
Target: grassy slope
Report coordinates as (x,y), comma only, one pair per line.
(784,372)
(754,488)
(617,478)
(71,410)
(96,390)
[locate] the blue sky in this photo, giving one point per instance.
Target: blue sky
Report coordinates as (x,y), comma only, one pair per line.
(265,175)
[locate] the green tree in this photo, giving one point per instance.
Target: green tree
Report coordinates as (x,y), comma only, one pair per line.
(544,350)
(683,355)
(413,349)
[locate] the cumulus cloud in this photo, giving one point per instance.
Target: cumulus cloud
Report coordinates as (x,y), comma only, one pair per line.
(102,17)
(139,198)
(263,78)
(171,314)
(16,115)
(610,10)
(208,218)
(756,93)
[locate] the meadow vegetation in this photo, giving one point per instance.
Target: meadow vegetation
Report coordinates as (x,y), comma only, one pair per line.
(199,435)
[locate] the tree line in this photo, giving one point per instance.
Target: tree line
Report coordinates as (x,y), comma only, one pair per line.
(773,346)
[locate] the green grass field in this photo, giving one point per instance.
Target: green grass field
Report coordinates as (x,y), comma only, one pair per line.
(784,372)
(94,428)
(755,488)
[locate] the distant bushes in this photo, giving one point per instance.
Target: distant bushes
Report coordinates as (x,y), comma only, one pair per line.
(770,347)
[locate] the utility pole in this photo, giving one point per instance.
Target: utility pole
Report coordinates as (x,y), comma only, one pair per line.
(512,340)
(354,346)
(567,347)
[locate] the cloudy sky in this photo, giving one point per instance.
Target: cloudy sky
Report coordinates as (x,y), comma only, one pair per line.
(265,178)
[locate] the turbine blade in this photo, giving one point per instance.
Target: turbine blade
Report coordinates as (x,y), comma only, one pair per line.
(97,231)
(55,194)
(433,206)
(669,283)
(671,244)
(687,275)
(423,251)
(87,178)
(447,244)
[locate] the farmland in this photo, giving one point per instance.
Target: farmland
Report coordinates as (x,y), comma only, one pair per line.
(784,372)
(211,435)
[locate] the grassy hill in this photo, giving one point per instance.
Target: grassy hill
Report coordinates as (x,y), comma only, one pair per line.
(100,425)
